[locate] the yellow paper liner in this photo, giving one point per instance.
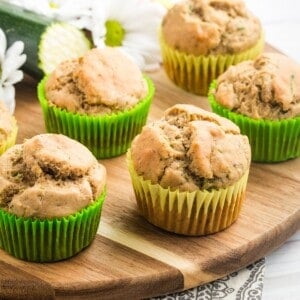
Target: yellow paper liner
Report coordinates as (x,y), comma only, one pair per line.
(189,213)
(11,140)
(195,73)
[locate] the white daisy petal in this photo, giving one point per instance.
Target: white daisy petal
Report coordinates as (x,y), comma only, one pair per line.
(145,46)
(8,97)
(14,50)
(140,20)
(134,55)
(2,45)
(15,77)
(10,61)
(11,64)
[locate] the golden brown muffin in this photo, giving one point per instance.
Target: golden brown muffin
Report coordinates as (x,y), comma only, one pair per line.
(191,149)
(49,176)
(189,171)
(203,27)
(266,88)
(103,81)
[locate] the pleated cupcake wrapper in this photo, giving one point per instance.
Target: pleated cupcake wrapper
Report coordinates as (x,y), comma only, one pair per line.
(195,73)
(270,140)
(11,140)
(106,136)
(189,213)
(50,239)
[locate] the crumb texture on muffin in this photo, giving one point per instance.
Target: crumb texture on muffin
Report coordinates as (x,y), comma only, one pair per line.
(49,176)
(267,88)
(102,81)
(190,149)
(203,27)
(7,123)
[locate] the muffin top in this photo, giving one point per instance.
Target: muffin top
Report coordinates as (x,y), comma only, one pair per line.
(103,81)
(191,149)
(49,175)
(203,27)
(7,123)
(267,88)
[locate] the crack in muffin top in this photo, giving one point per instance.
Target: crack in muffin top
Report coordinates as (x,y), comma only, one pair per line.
(190,149)
(265,88)
(49,176)
(103,81)
(204,27)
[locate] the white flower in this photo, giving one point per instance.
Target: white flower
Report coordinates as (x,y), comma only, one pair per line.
(130,25)
(74,12)
(11,60)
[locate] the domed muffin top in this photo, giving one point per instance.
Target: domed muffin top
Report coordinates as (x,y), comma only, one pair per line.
(266,88)
(203,27)
(190,149)
(48,176)
(102,81)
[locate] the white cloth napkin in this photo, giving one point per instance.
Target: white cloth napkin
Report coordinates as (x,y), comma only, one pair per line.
(244,284)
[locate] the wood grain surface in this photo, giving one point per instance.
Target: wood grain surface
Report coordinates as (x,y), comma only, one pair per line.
(132,259)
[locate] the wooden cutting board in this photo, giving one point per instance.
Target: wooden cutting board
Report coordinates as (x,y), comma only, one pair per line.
(131,258)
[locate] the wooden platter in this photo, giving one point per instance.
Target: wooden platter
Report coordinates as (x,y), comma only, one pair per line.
(131,258)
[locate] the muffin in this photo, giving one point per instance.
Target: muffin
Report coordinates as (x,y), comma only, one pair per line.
(189,171)
(200,39)
(263,98)
(8,129)
(51,193)
(101,99)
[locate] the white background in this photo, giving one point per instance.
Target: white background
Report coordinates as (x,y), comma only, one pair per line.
(281,22)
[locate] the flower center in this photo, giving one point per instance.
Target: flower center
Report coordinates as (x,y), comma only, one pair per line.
(114,33)
(53,5)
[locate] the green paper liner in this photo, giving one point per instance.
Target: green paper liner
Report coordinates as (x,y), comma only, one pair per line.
(11,140)
(106,135)
(188,213)
(270,140)
(48,240)
(195,73)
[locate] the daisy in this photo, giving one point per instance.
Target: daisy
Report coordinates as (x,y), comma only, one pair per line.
(11,60)
(130,25)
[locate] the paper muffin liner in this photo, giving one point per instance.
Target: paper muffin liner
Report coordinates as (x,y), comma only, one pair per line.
(195,73)
(270,140)
(48,240)
(189,213)
(11,140)
(105,135)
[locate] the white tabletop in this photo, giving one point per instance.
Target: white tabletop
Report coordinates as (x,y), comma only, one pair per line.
(281,22)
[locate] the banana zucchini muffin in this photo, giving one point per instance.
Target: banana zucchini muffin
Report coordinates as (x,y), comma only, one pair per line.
(189,171)
(100,99)
(263,98)
(8,129)
(201,38)
(97,83)
(51,192)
